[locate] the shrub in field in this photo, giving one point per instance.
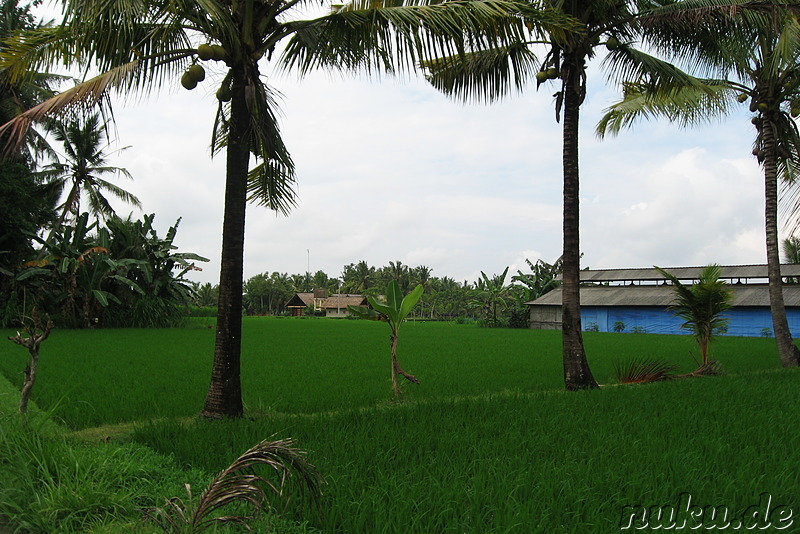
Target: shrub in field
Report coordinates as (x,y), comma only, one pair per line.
(238,484)
(393,311)
(701,306)
(619,326)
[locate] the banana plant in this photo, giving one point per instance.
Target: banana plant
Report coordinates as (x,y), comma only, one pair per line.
(394,311)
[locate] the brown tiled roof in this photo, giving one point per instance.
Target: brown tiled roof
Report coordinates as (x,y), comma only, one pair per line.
(343,301)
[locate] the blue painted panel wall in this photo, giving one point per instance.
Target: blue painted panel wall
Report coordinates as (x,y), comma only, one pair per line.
(753,322)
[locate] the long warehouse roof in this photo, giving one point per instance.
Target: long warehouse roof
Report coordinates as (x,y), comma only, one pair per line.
(650,274)
(663,295)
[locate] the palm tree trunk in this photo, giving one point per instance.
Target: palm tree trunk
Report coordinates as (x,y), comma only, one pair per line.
(787,351)
(577,374)
(224,398)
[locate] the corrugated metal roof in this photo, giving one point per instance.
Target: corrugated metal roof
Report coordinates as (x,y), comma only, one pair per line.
(661,295)
(684,273)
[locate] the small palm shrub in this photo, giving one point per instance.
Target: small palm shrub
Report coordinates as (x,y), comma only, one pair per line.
(702,306)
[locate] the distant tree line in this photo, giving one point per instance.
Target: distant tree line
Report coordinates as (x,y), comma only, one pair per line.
(493,301)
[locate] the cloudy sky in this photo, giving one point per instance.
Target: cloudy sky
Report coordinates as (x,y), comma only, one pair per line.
(393,170)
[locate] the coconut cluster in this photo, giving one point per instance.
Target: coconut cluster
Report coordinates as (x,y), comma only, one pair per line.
(546,74)
(196,73)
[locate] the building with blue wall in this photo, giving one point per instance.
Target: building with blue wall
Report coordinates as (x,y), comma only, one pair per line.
(636,300)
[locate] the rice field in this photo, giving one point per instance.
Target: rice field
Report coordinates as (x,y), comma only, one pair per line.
(487,443)
(94,377)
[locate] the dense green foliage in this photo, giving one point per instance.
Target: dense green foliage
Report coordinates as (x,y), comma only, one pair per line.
(122,274)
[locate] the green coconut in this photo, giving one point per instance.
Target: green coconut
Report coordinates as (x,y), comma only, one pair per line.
(196,72)
(795,111)
(552,73)
(205,52)
(188,82)
(612,43)
(742,98)
(218,52)
(224,94)
(763,106)
(542,76)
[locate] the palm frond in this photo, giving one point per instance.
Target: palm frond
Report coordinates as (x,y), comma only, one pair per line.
(627,64)
(91,93)
(114,189)
(701,305)
(688,106)
(239,484)
(643,370)
(271,184)
(27,52)
(398,35)
(485,75)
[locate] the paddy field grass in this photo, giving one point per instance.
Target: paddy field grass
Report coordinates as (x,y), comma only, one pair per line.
(486,443)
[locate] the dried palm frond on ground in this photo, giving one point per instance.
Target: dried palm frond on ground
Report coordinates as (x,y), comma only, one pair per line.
(238,494)
(640,371)
(711,368)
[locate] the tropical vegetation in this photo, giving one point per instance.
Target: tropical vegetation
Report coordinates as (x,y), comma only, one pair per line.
(746,57)
(80,171)
(122,274)
(140,47)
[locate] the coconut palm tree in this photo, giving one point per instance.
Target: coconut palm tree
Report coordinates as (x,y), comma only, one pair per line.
(488,74)
(142,44)
(80,173)
(751,57)
(357,277)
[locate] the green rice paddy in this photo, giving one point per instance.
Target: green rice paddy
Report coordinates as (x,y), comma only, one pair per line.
(487,443)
